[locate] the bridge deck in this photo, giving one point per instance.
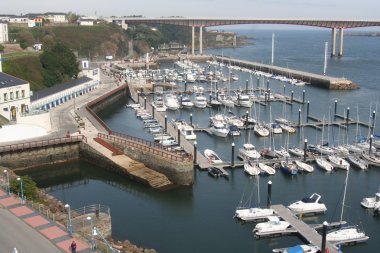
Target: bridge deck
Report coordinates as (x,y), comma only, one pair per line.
(302,228)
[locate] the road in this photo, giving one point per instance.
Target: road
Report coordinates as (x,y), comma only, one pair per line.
(15,233)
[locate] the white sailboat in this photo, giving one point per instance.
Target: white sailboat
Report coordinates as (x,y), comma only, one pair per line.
(251,168)
(321,162)
(266,168)
(346,234)
(301,166)
(338,162)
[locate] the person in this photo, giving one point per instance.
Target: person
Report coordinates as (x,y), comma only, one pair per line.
(73,247)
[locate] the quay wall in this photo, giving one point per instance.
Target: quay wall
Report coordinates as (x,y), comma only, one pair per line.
(19,160)
(108,99)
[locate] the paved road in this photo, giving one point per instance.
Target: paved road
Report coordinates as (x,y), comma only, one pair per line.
(15,233)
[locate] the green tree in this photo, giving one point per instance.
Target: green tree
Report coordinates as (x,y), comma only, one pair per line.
(1,48)
(72,17)
(25,39)
(48,42)
(29,187)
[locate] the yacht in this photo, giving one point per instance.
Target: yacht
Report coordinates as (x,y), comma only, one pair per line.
(338,162)
(200,101)
(299,249)
(244,101)
(251,168)
(301,166)
(274,127)
(266,169)
(310,204)
(248,151)
(357,162)
(323,164)
(274,224)
(159,104)
(324,150)
(171,102)
(219,129)
(188,132)
(296,152)
(287,128)
(370,202)
(260,130)
(252,214)
(186,102)
(212,157)
(282,152)
(346,234)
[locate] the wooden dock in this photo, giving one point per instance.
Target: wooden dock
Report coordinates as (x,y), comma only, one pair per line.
(306,231)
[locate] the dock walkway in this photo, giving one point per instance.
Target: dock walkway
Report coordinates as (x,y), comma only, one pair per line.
(306,231)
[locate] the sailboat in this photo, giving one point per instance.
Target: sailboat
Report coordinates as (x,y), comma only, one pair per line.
(251,168)
(253,213)
(321,162)
(349,233)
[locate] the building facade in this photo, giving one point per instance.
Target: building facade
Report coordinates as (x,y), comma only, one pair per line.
(14,97)
(3,32)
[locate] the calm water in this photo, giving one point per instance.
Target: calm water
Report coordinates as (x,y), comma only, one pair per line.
(199,218)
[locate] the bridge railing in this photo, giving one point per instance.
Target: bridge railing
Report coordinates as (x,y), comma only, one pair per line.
(42,143)
(146,146)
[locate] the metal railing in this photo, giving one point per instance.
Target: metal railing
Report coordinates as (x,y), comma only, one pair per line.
(93,209)
(42,143)
(146,146)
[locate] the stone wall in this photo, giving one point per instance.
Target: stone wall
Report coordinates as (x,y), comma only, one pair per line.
(103,102)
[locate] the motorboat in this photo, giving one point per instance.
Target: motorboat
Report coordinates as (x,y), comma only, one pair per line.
(200,101)
(296,152)
(288,168)
(251,121)
(301,166)
(251,168)
(299,249)
(248,151)
(266,169)
(234,130)
(338,162)
(219,129)
(274,128)
(310,204)
(225,100)
(261,130)
(186,102)
(287,128)
(346,234)
(188,132)
(370,202)
(212,157)
(268,153)
(158,104)
(254,213)
(357,162)
(171,102)
(244,101)
(323,164)
(272,225)
(233,120)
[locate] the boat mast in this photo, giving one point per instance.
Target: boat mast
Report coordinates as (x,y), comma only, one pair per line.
(344,195)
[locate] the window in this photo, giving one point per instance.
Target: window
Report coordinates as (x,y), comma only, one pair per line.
(11,96)
(5,97)
(17,94)
(22,93)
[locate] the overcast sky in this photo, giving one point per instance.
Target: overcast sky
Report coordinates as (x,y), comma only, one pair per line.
(337,9)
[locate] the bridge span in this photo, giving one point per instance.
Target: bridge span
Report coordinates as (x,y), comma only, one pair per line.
(200,23)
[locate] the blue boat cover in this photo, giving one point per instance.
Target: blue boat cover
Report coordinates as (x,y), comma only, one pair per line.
(295,249)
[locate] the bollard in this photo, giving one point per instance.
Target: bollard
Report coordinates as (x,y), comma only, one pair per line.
(305,150)
(258,82)
(303,96)
(268,84)
(324,233)
(299,117)
(246,119)
(145,103)
(347,115)
(269,199)
(291,98)
(307,110)
(179,137)
(370,145)
(246,86)
(191,119)
(195,152)
(284,90)
(232,154)
(166,123)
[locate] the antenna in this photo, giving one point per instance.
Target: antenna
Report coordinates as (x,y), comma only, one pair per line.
(325,65)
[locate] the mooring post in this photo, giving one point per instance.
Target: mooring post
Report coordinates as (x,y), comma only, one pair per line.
(265,97)
(305,150)
(195,152)
(217,94)
(191,119)
(269,199)
(179,137)
(138,97)
(145,103)
(335,107)
(303,96)
(246,86)
(291,98)
(232,154)
(370,144)
(307,111)
(299,117)
(347,115)
(166,123)
(284,90)
(373,121)
(246,119)
(324,233)
(268,84)
(209,98)
(258,82)
(268,95)
(180,99)
(186,85)
(153,112)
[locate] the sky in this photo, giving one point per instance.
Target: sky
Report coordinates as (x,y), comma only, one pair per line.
(332,9)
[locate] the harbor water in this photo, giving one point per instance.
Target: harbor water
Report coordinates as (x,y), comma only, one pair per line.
(199,218)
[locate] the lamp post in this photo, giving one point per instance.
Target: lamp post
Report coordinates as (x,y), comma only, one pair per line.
(8,186)
(22,191)
(70,223)
(92,234)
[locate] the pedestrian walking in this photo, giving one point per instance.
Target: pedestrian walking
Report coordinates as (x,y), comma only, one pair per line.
(73,247)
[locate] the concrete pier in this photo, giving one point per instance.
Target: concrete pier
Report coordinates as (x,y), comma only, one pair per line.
(333,41)
(328,82)
(192,40)
(200,40)
(340,42)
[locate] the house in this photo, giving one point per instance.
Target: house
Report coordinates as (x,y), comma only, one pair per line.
(86,22)
(56,17)
(3,32)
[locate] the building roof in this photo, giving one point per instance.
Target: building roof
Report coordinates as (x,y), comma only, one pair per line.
(9,81)
(54,13)
(58,88)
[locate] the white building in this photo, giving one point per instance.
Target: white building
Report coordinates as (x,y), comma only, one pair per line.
(86,22)
(55,17)
(3,32)
(14,97)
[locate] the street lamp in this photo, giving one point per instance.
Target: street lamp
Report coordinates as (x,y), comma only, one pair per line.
(22,191)
(70,223)
(92,234)
(8,186)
